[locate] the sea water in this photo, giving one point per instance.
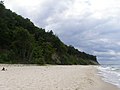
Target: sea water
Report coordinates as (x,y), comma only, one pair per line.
(110,74)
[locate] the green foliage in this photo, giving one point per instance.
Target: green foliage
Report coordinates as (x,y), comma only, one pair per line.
(3,57)
(38,57)
(22,42)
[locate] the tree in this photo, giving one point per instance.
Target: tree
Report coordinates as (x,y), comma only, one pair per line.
(2,2)
(38,57)
(23,44)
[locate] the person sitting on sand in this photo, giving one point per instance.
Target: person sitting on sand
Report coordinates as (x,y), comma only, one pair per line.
(3,69)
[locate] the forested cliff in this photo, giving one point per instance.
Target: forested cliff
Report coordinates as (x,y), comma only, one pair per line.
(22,42)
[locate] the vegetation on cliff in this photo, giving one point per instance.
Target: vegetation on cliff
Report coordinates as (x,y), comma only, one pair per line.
(22,42)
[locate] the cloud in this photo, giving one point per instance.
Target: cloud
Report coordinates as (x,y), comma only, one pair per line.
(92,26)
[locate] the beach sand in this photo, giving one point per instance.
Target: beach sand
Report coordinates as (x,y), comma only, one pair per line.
(74,77)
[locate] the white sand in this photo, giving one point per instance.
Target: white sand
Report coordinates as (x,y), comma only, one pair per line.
(21,77)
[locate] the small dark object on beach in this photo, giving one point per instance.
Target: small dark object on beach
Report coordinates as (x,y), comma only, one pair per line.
(3,69)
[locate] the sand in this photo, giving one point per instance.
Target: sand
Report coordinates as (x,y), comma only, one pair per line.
(29,77)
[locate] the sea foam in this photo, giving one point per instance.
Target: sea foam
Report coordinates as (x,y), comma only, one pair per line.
(110,74)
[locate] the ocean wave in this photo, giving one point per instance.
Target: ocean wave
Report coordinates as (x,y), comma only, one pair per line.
(110,74)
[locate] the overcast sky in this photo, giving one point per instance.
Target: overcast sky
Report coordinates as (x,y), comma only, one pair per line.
(92,26)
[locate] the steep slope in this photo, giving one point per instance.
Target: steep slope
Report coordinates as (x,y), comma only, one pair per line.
(22,42)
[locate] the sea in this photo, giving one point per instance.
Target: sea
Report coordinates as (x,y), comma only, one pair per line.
(110,73)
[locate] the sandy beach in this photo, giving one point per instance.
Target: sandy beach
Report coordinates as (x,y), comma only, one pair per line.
(29,77)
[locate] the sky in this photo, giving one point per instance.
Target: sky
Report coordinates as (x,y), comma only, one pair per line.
(92,26)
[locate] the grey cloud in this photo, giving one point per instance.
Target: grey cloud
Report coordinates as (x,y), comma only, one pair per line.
(49,10)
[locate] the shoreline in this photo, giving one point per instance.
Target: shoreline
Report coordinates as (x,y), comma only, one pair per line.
(104,85)
(52,77)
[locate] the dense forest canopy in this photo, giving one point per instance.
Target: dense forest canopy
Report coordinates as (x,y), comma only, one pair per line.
(22,42)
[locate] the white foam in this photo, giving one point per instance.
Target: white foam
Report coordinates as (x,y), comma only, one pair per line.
(110,74)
